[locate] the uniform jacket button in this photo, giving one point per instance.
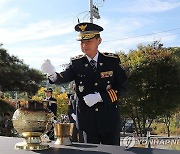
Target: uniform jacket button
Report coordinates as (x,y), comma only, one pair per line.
(96,109)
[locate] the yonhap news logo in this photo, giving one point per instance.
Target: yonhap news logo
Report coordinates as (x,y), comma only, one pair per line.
(130,141)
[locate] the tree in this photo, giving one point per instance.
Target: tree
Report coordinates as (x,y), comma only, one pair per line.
(153,84)
(6,107)
(17,76)
(62,99)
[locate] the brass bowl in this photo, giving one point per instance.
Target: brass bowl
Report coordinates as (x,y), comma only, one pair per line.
(63,132)
(25,120)
(32,122)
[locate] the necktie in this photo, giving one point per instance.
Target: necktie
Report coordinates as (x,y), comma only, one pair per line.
(93,64)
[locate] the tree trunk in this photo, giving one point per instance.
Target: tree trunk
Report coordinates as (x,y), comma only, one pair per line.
(144,125)
(167,122)
(150,123)
(124,122)
(139,123)
(135,125)
(168,128)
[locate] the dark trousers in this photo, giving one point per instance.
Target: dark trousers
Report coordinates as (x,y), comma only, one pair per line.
(108,139)
(77,135)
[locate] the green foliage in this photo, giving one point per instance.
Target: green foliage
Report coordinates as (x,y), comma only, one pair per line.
(153,90)
(62,107)
(62,99)
(160,128)
(6,106)
(17,76)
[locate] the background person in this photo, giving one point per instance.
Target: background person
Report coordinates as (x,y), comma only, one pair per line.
(77,135)
(52,105)
(100,82)
(6,125)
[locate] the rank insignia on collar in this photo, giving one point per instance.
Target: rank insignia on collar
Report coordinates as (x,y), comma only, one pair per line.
(101,64)
(81,88)
(106,74)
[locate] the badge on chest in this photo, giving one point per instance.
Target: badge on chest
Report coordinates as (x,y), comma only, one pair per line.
(81,87)
(106,74)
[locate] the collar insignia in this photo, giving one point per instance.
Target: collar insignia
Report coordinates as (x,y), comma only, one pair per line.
(83,27)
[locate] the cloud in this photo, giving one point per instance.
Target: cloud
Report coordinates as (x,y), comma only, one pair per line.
(149,6)
(35,31)
(58,54)
(2,2)
(132,42)
(14,26)
(22,38)
(118,34)
(61,54)
(115,29)
(7,16)
(35,39)
(11,16)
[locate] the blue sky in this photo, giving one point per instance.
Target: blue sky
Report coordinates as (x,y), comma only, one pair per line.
(35,30)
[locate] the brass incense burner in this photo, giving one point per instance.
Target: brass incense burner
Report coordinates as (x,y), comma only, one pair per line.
(63,132)
(32,121)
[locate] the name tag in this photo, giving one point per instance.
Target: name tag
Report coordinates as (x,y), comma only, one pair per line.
(106,74)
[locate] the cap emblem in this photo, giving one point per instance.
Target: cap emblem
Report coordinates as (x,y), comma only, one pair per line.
(83,27)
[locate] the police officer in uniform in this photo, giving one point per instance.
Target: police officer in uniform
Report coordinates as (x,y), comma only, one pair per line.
(52,102)
(52,105)
(100,82)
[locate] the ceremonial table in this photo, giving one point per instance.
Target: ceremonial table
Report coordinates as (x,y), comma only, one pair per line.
(7,147)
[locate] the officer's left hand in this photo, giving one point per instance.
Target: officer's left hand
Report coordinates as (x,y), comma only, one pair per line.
(73,116)
(92,99)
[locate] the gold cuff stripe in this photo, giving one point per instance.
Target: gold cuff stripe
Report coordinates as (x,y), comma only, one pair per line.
(115,96)
(112,95)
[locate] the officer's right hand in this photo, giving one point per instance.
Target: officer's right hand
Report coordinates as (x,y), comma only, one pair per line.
(49,69)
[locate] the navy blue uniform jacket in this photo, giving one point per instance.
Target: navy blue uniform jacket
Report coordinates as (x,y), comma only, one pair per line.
(53,106)
(109,80)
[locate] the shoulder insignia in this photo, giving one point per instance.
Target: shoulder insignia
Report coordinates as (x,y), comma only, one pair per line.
(77,57)
(110,55)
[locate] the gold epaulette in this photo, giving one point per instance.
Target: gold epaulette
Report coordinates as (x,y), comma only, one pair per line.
(77,57)
(110,55)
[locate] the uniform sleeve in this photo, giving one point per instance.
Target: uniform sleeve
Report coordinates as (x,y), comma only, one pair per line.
(112,95)
(64,76)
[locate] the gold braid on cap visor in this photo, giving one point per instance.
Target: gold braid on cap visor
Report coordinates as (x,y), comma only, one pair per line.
(87,35)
